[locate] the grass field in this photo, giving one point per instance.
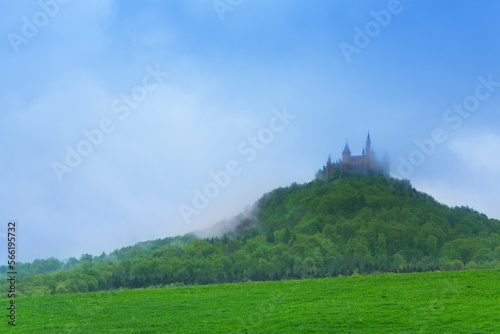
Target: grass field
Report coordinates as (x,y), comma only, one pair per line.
(439,302)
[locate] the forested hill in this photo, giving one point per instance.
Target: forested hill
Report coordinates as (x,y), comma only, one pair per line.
(355,225)
(372,207)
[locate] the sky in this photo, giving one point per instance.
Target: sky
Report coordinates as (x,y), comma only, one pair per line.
(126,121)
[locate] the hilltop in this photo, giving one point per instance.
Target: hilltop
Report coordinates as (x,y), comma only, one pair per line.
(361,224)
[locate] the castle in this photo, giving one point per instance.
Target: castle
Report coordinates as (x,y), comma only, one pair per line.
(355,164)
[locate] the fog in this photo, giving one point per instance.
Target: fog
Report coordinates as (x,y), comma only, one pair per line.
(124,122)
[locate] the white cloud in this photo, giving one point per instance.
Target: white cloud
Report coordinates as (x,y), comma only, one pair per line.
(479,152)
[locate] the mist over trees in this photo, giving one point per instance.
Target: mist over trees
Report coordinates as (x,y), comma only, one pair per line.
(363,224)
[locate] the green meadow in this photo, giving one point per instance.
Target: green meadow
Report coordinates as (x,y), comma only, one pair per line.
(433,302)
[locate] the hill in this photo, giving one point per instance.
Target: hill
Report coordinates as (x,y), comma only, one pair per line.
(438,302)
(361,224)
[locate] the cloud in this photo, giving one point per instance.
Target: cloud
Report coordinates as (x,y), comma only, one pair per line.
(467,173)
(478,152)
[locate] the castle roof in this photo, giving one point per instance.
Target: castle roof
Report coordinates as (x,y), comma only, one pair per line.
(346,148)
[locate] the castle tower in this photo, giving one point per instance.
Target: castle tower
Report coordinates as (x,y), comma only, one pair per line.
(346,153)
(368,144)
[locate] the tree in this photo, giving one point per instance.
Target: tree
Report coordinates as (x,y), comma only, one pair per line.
(328,231)
(72,262)
(431,245)
(398,262)
(381,244)
(86,257)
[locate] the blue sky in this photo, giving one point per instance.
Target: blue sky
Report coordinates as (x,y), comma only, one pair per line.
(157,96)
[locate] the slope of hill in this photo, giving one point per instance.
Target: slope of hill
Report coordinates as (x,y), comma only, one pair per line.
(438,302)
(356,225)
(372,215)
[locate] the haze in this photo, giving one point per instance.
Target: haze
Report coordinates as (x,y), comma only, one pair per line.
(116,115)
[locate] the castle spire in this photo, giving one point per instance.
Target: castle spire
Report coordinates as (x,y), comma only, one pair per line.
(346,151)
(368,144)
